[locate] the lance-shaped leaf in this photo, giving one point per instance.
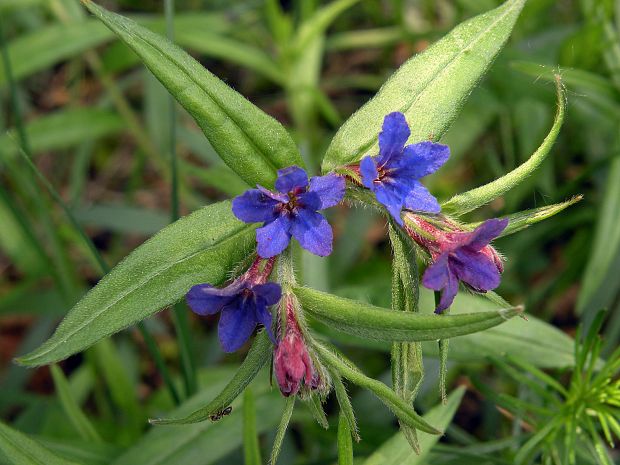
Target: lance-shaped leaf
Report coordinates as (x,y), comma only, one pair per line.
(524,219)
(468,201)
(362,319)
(19,449)
(402,410)
(396,451)
(251,142)
(254,361)
(429,88)
(201,247)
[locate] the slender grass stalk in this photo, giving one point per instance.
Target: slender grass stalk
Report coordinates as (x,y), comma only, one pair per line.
(24,150)
(60,269)
(181,320)
(148,338)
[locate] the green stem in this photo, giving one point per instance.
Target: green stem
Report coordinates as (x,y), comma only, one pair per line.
(443,356)
(181,320)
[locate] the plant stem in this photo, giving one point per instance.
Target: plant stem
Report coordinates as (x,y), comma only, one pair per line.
(444,345)
(181,320)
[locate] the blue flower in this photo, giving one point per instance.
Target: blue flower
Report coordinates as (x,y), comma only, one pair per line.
(466,257)
(394,174)
(243,305)
(291,211)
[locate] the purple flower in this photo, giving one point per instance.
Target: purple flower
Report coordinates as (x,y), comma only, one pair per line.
(291,211)
(394,174)
(466,257)
(243,305)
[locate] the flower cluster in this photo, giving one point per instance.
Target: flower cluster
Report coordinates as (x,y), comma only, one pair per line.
(292,211)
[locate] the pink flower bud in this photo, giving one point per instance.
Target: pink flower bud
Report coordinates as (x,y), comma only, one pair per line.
(292,363)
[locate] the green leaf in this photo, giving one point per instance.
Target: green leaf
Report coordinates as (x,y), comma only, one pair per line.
(250,142)
(206,442)
(201,247)
(345,444)
(470,200)
(344,402)
(372,322)
(319,22)
(254,361)
(63,129)
(282,427)
(533,340)
(251,448)
(600,279)
(19,449)
(396,450)
(403,411)
(524,219)
(125,219)
(47,46)
(429,88)
(75,415)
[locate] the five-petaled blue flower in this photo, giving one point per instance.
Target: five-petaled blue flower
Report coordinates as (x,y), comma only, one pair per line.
(243,305)
(466,257)
(291,211)
(394,174)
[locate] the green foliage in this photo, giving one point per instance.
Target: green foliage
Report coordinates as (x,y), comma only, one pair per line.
(254,361)
(372,322)
(155,275)
(482,195)
(21,450)
(252,143)
(424,88)
(586,411)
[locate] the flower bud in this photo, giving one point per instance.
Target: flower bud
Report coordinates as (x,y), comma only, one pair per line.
(292,362)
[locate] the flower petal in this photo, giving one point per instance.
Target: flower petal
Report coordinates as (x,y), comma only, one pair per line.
(423,158)
(329,188)
(448,293)
(263,316)
(475,268)
(309,201)
(237,324)
(283,198)
(254,206)
(486,232)
(390,195)
(393,136)
(436,275)
(439,277)
(420,199)
(313,232)
(270,293)
(205,299)
(368,170)
(291,178)
(273,237)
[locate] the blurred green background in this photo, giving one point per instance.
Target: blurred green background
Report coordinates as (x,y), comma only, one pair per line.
(96,124)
